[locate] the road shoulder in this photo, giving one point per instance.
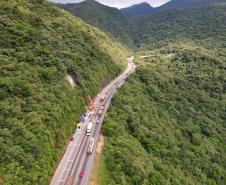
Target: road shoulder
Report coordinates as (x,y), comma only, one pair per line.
(99,174)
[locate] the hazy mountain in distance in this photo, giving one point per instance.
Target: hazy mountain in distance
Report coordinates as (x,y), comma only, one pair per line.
(146,9)
(139,9)
(175,4)
(201,23)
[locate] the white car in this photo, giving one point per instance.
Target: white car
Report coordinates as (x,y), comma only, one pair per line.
(89,128)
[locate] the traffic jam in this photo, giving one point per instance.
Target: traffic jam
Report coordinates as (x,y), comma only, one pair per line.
(89,115)
(94,115)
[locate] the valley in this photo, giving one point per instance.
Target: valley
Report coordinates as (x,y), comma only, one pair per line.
(165,126)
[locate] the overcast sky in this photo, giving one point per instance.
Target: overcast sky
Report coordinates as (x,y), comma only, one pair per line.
(118,3)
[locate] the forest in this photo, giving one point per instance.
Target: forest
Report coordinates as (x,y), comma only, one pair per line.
(205,25)
(39,45)
(109,20)
(167,124)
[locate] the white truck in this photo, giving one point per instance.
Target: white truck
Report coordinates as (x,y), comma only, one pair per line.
(89,128)
(90,146)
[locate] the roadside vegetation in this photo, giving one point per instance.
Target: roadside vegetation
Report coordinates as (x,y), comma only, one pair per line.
(39,45)
(167,124)
(100,174)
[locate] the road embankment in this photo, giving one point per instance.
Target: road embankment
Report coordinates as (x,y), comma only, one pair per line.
(96,167)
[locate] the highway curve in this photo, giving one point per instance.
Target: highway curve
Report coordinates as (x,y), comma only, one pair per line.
(75,165)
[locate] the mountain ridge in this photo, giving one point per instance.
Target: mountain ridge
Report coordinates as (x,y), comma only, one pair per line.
(108,19)
(138,28)
(146,9)
(165,126)
(178,4)
(140,9)
(188,24)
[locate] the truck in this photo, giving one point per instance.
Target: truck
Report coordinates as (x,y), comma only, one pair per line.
(90,146)
(89,128)
(102,98)
(102,107)
(101,110)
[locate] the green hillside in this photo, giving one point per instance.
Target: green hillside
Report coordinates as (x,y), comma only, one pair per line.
(167,125)
(178,4)
(109,20)
(205,25)
(39,45)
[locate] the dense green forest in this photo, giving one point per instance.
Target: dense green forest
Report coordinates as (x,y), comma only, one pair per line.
(144,8)
(178,4)
(39,45)
(205,25)
(108,19)
(167,124)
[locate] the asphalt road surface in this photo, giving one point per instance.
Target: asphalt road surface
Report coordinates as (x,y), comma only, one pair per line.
(76,163)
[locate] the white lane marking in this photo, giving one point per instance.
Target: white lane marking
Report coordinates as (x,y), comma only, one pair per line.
(77,136)
(62,180)
(67,169)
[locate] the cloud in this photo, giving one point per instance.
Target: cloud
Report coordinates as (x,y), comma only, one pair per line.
(118,3)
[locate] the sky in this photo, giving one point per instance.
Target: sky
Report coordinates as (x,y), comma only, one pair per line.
(118,3)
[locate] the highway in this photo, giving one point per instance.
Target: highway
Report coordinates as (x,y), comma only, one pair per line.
(76,163)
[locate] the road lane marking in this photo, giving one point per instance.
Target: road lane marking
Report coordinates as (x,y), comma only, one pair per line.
(72,146)
(67,169)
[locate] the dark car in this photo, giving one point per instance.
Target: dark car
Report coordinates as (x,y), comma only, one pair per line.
(72,138)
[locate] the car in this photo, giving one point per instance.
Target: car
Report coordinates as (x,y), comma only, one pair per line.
(100,112)
(98,121)
(81,174)
(102,107)
(72,138)
(102,98)
(89,128)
